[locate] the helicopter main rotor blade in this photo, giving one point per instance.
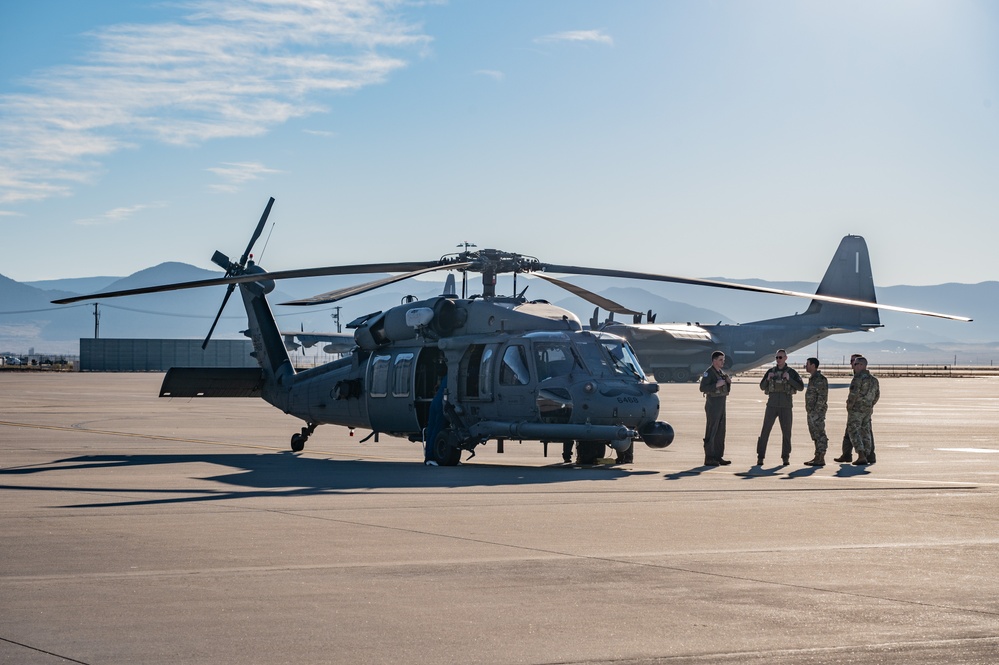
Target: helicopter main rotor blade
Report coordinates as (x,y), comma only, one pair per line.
(589,296)
(359,269)
(627,274)
(225,299)
(340,294)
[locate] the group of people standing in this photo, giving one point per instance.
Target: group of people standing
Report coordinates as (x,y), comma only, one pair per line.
(780,383)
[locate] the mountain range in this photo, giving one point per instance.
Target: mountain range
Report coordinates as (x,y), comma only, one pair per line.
(28,320)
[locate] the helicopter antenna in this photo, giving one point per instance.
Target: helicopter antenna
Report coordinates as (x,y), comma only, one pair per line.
(464,273)
(259,258)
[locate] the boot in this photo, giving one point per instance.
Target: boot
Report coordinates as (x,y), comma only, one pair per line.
(845,459)
(818,460)
(861,460)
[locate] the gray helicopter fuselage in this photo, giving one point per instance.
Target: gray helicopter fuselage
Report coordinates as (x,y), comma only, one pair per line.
(515,369)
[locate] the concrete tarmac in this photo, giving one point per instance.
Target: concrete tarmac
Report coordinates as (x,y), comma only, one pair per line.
(145,530)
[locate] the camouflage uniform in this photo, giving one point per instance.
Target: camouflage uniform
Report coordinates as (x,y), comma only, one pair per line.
(714,411)
(864,394)
(816,404)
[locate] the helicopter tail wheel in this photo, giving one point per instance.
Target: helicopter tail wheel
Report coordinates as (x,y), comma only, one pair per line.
(443,451)
(299,438)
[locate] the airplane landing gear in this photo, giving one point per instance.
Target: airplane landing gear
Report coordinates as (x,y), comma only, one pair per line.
(298,439)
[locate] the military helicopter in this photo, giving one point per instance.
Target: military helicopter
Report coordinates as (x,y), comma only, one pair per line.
(498,367)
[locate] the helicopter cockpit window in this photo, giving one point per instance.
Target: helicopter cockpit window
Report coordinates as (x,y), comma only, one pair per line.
(513,371)
(623,358)
(379,376)
(553,359)
(401,376)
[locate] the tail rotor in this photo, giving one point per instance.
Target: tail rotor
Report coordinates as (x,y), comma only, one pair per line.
(234,269)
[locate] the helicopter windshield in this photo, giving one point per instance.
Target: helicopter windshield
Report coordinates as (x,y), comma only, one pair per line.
(623,357)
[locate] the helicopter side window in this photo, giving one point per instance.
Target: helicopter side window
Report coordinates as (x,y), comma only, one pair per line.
(553,360)
(513,371)
(486,372)
(379,376)
(401,375)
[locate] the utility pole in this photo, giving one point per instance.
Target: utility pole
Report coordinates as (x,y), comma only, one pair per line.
(336,317)
(97,322)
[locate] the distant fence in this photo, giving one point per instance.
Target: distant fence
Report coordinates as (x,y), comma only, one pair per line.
(896,370)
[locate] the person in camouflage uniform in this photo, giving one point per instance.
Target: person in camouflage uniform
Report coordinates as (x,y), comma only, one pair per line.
(779,383)
(816,404)
(864,394)
(847,455)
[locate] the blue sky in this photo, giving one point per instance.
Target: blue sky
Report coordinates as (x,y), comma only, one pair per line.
(697,138)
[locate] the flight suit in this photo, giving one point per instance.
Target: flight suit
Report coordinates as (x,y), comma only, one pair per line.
(714,411)
(780,400)
(865,391)
(816,405)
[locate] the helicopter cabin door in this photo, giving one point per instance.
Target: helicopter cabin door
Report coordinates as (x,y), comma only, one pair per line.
(515,388)
(392,393)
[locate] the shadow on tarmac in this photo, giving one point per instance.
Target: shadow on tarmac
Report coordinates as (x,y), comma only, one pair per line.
(288,474)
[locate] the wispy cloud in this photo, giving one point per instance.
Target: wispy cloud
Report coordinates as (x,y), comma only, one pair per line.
(491,73)
(236,173)
(117,215)
(577,36)
(226,69)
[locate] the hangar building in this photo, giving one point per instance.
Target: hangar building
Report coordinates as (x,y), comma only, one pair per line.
(159,355)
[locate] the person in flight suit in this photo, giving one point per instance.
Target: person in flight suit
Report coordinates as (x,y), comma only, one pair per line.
(816,404)
(865,391)
(716,385)
(779,383)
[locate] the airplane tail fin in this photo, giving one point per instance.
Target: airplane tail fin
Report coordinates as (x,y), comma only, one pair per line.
(848,276)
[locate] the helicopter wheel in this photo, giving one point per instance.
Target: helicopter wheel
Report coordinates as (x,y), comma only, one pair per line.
(297,442)
(443,451)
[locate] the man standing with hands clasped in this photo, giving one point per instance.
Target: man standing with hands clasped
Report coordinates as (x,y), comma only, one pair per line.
(779,383)
(816,405)
(715,384)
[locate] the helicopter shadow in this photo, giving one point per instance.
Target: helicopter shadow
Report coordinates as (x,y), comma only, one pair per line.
(287,474)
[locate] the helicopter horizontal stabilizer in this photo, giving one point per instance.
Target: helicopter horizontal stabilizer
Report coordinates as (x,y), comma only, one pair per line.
(212,382)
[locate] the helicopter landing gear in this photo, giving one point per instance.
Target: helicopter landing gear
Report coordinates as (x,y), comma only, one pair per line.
(443,451)
(588,452)
(298,439)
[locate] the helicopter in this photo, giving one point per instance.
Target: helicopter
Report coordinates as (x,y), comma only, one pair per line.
(498,367)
